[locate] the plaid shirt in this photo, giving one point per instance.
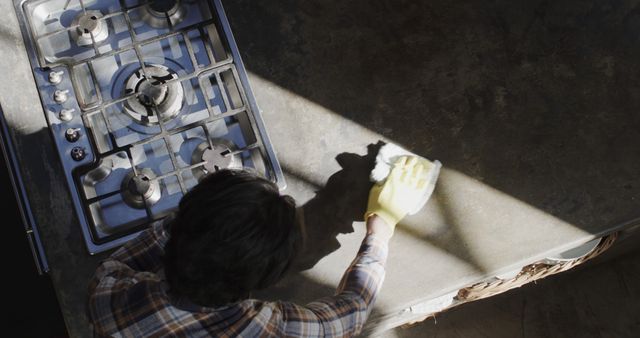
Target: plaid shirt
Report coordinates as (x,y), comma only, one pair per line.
(129,298)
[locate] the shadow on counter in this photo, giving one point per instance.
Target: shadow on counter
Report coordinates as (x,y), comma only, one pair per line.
(342,201)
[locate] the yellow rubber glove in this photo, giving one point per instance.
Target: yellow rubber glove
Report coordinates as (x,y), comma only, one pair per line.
(393,199)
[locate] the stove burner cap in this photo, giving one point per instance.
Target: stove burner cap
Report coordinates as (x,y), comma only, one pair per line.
(165,6)
(219,157)
(153,98)
(89,23)
(158,13)
(136,190)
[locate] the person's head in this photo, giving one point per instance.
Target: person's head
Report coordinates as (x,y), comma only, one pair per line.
(232,233)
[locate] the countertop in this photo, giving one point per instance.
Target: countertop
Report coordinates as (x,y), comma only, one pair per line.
(532,109)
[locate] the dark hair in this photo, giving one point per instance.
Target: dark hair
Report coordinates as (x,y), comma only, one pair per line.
(233,233)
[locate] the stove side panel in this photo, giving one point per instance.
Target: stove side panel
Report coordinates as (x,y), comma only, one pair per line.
(70,266)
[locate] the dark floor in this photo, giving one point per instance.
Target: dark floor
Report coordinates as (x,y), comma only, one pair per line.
(30,304)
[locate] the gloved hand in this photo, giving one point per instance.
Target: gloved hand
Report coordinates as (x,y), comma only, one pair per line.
(393,199)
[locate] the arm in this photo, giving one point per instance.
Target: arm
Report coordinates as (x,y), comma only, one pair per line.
(135,263)
(142,254)
(344,314)
(145,252)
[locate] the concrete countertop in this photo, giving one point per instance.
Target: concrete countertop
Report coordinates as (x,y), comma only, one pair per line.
(532,109)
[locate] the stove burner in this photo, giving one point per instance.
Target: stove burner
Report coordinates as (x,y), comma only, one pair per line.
(136,190)
(159,13)
(89,23)
(164,6)
(220,157)
(153,99)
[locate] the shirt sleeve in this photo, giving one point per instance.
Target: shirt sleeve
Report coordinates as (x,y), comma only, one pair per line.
(141,254)
(120,279)
(344,314)
(145,252)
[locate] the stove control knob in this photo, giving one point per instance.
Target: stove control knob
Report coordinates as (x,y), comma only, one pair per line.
(55,77)
(66,114)
(61,96)
(78,153)
(72,134)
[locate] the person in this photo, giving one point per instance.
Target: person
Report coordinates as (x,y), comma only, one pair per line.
(193,274)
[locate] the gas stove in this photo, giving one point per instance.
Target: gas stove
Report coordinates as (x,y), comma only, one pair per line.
(143,100)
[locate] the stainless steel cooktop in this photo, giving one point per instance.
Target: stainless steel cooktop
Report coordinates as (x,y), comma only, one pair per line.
(143,99)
